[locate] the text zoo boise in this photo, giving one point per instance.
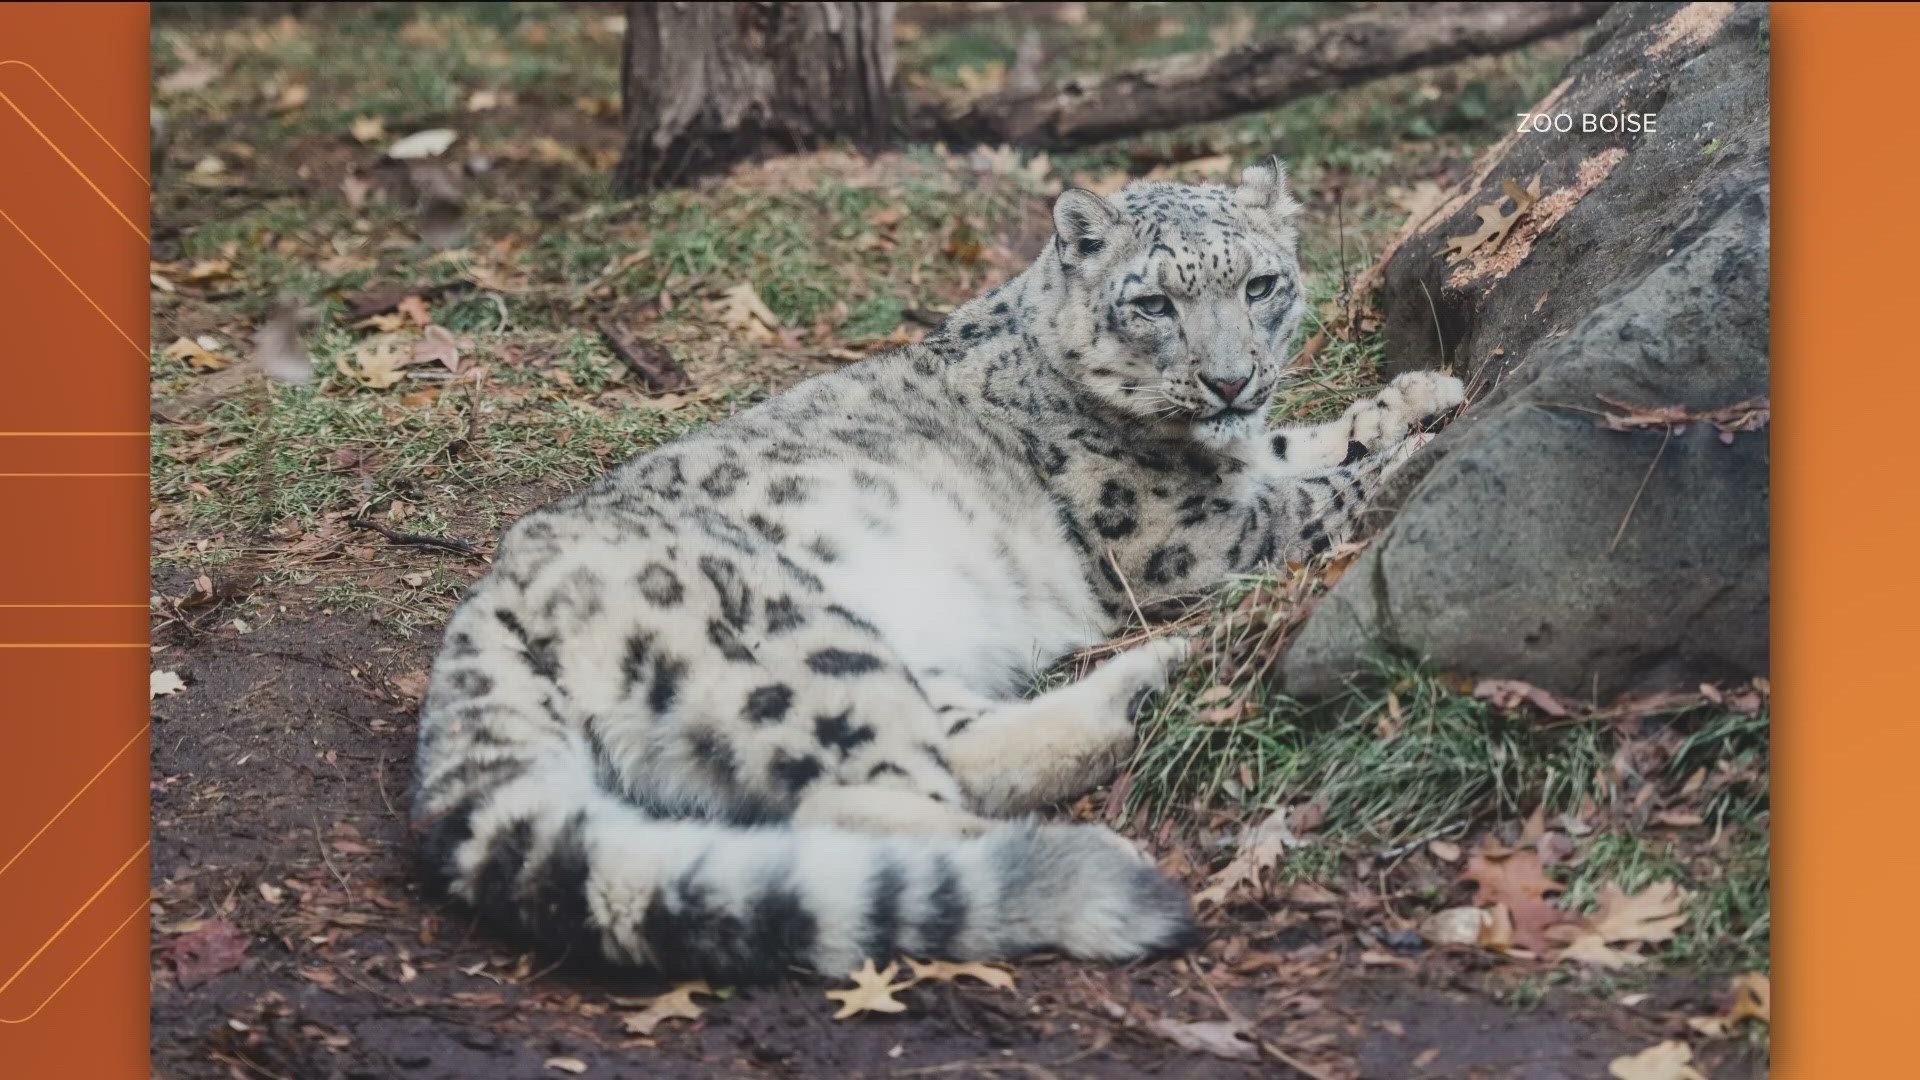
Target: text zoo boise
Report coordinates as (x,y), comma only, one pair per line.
(1608,123)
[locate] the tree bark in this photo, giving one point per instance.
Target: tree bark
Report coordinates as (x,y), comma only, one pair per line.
(706,85)
(1381,40)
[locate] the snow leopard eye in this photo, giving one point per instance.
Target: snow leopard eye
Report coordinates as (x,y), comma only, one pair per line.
(1261,287)
(1154,306)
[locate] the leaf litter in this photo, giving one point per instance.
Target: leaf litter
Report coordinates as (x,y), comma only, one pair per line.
(675,1004)
(873,990)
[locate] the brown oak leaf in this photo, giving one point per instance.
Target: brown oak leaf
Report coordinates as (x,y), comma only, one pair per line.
(1517,880)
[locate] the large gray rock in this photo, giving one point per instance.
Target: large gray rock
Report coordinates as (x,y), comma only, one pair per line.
(1650,287)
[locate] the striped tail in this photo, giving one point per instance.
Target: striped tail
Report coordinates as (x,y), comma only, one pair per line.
(548,853)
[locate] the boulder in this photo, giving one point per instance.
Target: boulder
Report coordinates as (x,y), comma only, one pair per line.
(1536,538)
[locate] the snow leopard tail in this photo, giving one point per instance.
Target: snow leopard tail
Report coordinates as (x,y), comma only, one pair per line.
(542,849)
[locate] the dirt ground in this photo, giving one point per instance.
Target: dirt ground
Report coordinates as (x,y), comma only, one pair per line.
(280,779)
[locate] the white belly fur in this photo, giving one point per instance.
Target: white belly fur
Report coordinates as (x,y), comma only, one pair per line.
(947,593)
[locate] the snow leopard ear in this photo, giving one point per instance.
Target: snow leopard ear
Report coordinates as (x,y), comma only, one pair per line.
(1083,224)
(1264,187)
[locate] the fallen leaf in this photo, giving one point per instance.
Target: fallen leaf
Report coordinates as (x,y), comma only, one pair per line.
(1517,880)
(551,151)
(988,78)
(367,129)
(378,362)
(1261,849)
(483,100)
(163,683)
(1752,997)
(1456,926)
(356,190)
(1224,714)
(206,952)
(1670,1060)
(413,684)
(1426,1057)
(1444,851)
(1751,414)
(1593,949)
(415,308)
(195,74)
(291,97)
(1377,958)
(1508,694)
(675,1004)
(1221,1038)
(1494,222)
(1651,915)
(566,1065)
(947,971)
(204,271)
(423,144)
(1752,1000)
(740,308)
(195,355)
(438,345)
(872,992)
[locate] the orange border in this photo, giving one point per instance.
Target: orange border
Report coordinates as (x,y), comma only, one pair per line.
(1847,602)
(73,468)
(1847,598)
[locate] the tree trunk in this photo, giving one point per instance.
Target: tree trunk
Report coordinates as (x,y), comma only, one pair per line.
(706,85)
(1380,40)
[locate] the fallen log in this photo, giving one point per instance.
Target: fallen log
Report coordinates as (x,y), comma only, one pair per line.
(1381,40)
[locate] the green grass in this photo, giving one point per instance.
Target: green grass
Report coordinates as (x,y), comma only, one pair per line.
(1449,762)
(1453,766)
(412,453)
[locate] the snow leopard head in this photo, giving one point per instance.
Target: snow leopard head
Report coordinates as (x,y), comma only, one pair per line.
(1183,300)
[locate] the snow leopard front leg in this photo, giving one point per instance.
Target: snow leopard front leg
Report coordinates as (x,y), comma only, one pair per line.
(1368,426)
(1260,511)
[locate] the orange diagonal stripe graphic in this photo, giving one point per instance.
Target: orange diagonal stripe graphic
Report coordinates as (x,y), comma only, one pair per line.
(76,797)
(76,285)
(114,150)
(76,971)
(81,910)
(77,170)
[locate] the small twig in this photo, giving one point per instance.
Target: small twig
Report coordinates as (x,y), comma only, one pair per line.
(1293,1063)
(1340,214)
(413,539)
(1403,849)
(380,781)
(321,843)
(657,368)
(924,316)
(1131,599)
(1439,339)
(1622,531)
(472,438)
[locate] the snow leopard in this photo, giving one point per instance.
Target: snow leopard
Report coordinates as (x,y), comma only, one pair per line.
(757,703)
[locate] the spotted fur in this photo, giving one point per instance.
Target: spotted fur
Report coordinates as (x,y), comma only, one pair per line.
(754,703)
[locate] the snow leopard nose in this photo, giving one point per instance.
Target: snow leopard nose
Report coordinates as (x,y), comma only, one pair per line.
(1225,389)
